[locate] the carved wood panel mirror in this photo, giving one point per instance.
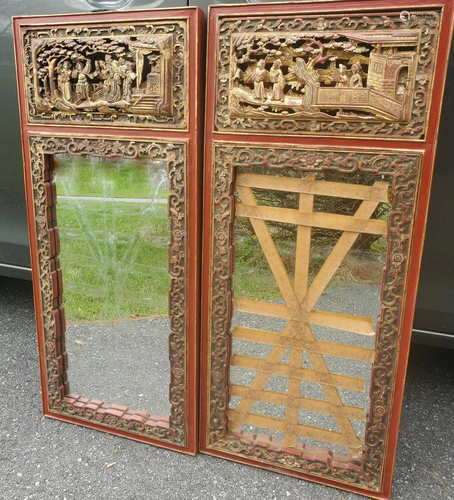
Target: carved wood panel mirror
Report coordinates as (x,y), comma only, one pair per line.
(321,125)
(110,119)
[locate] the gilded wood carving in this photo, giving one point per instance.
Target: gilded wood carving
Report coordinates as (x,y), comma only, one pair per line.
(125,75)
(240,167)
(301,378)
(366,75)
(171,429)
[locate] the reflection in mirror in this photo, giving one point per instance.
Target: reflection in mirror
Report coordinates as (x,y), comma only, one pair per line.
(114,236)
(307,295)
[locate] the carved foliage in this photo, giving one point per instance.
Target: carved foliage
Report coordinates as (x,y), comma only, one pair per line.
(171,429)
(404,170)
(121,76)
(355,74)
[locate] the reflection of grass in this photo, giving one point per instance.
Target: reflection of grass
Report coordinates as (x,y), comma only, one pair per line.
(113,266)
(254,280)
(113,253)
(122,179)
(379,245)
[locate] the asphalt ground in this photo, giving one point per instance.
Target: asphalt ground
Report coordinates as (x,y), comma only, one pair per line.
(46,459)
(121,362)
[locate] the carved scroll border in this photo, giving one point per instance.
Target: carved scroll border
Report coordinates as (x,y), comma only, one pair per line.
(404,168)
(178,118)
(171,429)
(414,130)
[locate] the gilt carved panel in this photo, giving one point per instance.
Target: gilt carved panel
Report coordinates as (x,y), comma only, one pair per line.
(346,74)
(171,429)
(321,131)
(109,122)
(126,75)
(392,178)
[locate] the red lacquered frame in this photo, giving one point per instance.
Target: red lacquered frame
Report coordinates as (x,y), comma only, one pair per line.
(95,414)
(425,146)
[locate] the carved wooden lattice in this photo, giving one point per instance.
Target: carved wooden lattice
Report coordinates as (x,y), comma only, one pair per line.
(402,170)
(300,298)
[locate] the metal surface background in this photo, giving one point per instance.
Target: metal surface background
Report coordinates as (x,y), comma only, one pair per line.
(434,315)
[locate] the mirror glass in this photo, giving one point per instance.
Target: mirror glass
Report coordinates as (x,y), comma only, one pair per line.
(114,236)
(307,296)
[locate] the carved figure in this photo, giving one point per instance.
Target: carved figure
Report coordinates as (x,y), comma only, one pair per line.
(112,79)
(356,80)
(128,75)
(342,78)
(278,80)
(64,80)
(97,76)
(315,75)
(154,60)
(82,73)
(258,78)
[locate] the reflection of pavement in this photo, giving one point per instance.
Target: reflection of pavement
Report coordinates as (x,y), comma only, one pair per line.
(123,362)
(360,300)
(127,362)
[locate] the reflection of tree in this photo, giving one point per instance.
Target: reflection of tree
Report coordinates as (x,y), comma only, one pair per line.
(341,206)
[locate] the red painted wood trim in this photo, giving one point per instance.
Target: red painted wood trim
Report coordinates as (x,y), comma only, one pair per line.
(429,149)
(193,136)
